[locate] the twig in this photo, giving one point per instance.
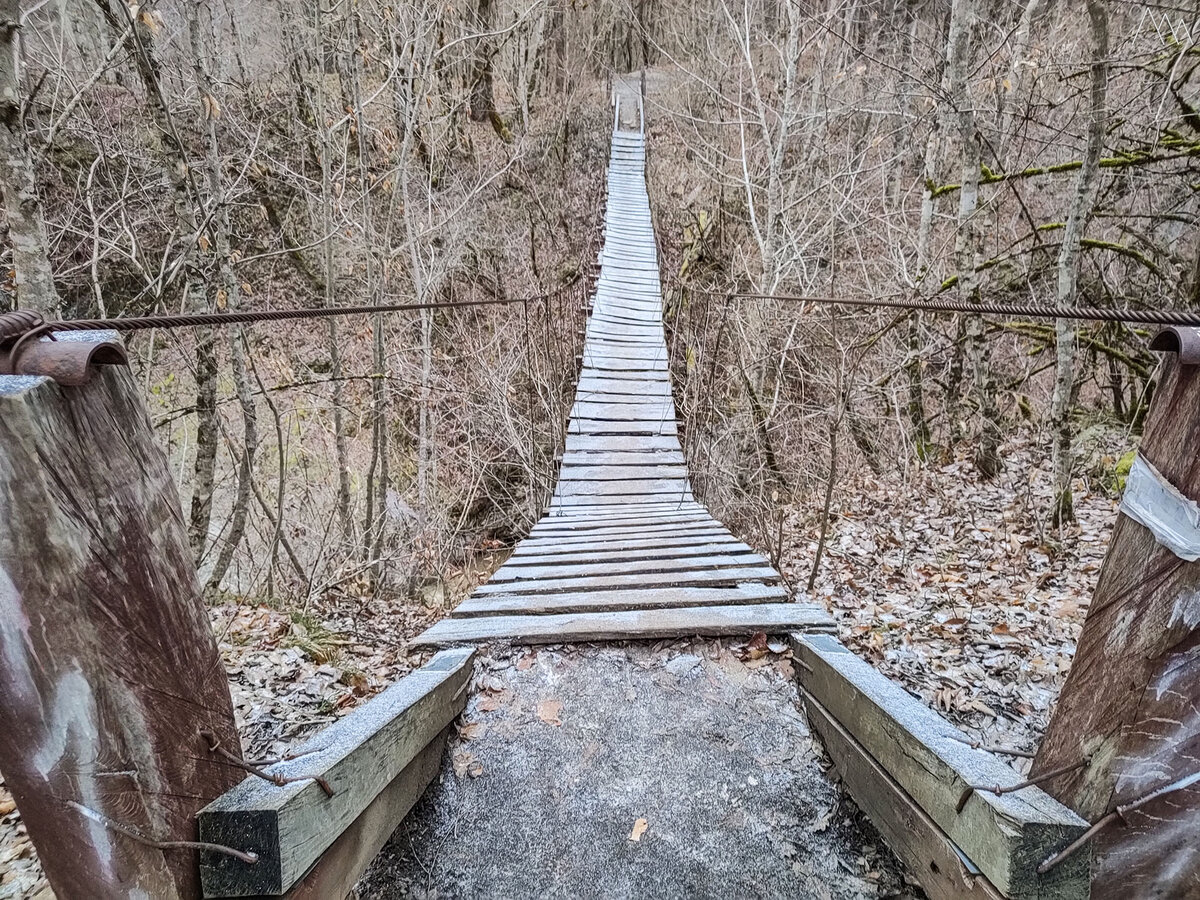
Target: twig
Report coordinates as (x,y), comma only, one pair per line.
(135,835)
(287,757)
(1021,785)
(1003,751)
(1118,813)
(275,779)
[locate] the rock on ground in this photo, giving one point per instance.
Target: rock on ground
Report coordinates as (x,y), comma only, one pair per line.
(642,771)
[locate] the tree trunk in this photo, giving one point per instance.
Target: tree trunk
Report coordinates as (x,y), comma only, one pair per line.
(930,162)
(986,430)
(1068,267)
(228,297)
(483,103)
(178,174)
(34,278)
(333,341)
(1131,703)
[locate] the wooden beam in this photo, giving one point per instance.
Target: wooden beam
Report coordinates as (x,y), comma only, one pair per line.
(289,826)
(933,860)
(1006,835)
(642,624)
(1132,697)
(515,576)
(709,577)
(337,871)
(108,666)
(534,551)
(618,600)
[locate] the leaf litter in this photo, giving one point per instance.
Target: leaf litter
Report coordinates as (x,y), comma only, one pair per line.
(957,587)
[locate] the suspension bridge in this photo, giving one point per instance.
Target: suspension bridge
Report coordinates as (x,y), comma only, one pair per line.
(625,551)
(120,745)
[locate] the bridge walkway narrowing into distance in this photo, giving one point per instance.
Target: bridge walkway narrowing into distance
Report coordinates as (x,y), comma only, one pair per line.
(625,550)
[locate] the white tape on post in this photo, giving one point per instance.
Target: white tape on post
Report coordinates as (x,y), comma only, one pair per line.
(1154,502)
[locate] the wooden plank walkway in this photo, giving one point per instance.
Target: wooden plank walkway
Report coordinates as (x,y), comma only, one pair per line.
(624,549)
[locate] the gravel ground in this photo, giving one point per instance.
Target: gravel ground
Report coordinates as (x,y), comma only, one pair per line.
(675,770)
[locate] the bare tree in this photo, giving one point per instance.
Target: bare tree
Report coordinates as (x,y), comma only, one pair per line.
(1082,202)
(34,276)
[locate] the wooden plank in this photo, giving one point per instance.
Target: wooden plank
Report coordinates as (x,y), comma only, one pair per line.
(624,298)
(606,504)
(597,336)
(600,363)
(645,524)
(618,600)
(614,508)
(599,327)
(660,509)
(602,329)
(652,395)
(614,382)
(633,428)
(1132,697)
(609,390)
(108,665)
(645,536)
(605,361)
(611,500)
(676,549)
(521,574)
(623,458)
(654,500)
(622,444)
(661,411)
(635,487)
(1006,835)
(729,576)
(645,624)
(340,867)
(570,472)
(628,351)
(560,528)
(930,857)
(290,826)
(646,312)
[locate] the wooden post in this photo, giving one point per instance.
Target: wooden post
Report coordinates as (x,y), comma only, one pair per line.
(108,665)
(1132,699)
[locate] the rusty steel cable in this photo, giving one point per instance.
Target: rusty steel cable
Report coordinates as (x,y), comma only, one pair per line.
(1030,310)
(25,325)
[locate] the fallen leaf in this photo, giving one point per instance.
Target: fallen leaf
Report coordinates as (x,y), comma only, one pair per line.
(471,731)
(491,702)
(639,828)
(466,764)
(548,711)
(822,822)
(756,647)
(7,805)
(525,662)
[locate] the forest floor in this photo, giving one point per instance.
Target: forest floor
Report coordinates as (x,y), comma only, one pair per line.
(958,588)
(952,586)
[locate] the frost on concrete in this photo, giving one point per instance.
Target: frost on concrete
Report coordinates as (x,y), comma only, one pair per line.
(562,753)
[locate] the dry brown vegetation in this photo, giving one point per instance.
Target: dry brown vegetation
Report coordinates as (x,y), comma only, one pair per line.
(357,476)
(221,155)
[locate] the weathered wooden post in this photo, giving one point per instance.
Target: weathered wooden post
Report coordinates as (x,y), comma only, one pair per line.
(108,666)
(1132,699)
